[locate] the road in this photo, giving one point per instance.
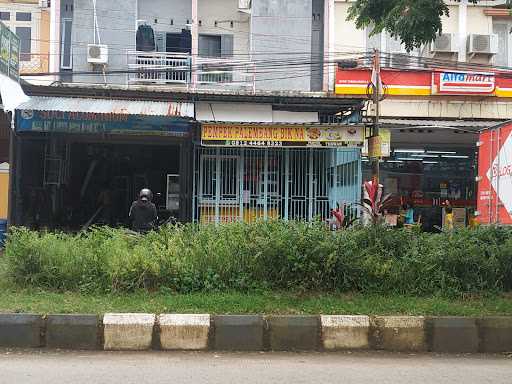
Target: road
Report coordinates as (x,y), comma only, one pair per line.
(39,367)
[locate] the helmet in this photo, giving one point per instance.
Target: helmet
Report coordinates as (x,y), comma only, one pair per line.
(145,194)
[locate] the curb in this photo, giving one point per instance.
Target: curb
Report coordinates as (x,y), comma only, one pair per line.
(142,331)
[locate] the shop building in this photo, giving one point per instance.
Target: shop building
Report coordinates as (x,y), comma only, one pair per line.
(83,160)
(245,172)
(430,119)
(207,157)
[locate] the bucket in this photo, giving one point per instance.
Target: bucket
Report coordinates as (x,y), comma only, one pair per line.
(3,232)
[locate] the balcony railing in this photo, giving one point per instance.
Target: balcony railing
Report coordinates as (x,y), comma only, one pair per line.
(34,63)
(177,68)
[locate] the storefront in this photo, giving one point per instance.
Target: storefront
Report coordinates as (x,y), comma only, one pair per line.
(245,172)
(82,161)
(425,168)
(432,117)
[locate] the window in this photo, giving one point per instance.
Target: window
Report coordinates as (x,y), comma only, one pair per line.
(23,16)
(210,45)
(66,58)
(25,35)
(502,29)
(5,16)
(215,45)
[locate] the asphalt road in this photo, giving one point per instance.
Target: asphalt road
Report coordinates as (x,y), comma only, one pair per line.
(39,367)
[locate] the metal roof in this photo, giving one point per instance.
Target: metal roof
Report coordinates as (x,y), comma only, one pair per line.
(430,123)
(302,101)
(123,107)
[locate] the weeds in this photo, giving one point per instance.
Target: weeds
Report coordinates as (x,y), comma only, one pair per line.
(273,255)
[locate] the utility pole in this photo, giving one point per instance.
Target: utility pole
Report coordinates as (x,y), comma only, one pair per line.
(374,144)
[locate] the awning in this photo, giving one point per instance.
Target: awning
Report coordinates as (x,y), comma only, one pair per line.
(108,106)
(470,125)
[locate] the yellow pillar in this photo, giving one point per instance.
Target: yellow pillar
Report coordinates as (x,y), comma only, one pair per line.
(4,190)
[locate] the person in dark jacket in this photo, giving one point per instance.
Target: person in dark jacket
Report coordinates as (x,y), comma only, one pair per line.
(143,214)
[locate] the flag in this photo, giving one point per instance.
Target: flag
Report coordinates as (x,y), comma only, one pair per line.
(376,79)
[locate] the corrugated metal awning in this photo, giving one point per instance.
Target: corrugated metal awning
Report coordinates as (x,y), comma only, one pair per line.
(432,123)
(120,107)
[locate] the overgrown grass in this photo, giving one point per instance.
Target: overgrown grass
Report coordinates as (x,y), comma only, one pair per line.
(264,256)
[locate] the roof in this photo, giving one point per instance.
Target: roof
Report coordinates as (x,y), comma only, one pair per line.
(89,105)
(433,124)
(313,101)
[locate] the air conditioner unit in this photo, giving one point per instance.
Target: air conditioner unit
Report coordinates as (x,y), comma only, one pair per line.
(44,3)
(244,5)
(445,43)
(97,54)
(482,44)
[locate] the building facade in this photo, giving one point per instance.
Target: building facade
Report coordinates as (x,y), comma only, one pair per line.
(436,99)
(30,20)
(228,44)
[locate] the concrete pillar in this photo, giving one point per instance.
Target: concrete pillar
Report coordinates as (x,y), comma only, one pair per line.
(463,29)
(55,38)
(195,40)
(329,47)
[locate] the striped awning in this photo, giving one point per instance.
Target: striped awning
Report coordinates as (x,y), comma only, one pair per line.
(110,106)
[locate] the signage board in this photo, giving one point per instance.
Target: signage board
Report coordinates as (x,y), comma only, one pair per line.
(9,53)
(464,83)
(426,82)
(494,201)
(385,144)
(375,147)
(262,135)
(100,123)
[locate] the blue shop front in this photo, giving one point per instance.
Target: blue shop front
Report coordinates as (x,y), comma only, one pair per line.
(82,161)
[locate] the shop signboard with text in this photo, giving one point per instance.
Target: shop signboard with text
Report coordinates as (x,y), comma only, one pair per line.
(463,83)
(494,203)
(100,123)
(426,82)
(9,53)
(263,135)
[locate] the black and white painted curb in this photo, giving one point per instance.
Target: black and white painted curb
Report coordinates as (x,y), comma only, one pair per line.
(143,331)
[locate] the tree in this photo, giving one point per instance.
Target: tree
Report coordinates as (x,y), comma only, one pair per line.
(413,22)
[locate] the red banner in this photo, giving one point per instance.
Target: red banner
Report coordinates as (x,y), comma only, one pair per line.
(495,176)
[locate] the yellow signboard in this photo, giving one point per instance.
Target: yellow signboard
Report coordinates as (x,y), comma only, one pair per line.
(385,145)
(375,147)
(285,135)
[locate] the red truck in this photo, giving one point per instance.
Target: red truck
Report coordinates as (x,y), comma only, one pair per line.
(494,204)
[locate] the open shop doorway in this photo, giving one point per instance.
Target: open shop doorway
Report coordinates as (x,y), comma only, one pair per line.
(106,179)
(69,185)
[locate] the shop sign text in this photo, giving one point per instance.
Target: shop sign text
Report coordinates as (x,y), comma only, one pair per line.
(100,123)
(466,83)
(260,135)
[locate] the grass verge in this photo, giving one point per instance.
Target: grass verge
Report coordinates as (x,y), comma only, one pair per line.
(38,301)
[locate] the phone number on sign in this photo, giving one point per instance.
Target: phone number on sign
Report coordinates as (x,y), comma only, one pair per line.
(239,143)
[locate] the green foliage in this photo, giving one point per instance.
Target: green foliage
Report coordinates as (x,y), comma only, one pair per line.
(273,255)
(414,22)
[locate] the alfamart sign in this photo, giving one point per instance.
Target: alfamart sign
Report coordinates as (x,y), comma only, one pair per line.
(464,83)
(425,82)
(9,53)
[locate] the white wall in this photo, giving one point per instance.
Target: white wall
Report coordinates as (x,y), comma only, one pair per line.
(158,13)
(250,113)
(225,11)
(346,37)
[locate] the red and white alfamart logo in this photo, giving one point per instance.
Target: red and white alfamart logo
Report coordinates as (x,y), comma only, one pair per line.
(466,83)
(500,174)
